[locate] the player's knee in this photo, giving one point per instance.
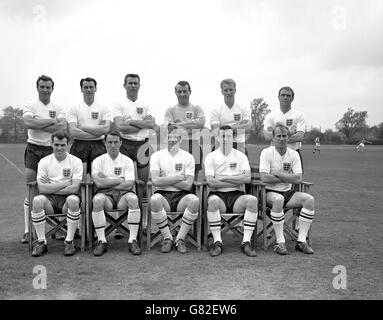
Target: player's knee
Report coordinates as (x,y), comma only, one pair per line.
(98,201)
(252,203)
(132,200)
(277,204)
(213,203)
(73,202)
(193,203)
(155,202)
(309,202)
(38,203)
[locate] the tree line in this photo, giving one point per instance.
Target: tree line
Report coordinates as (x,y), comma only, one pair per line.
(350,129)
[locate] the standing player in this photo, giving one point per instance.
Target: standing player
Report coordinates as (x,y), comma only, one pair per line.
(133,119)
(279,167)
(232,114)
(172,172)
(291,118)
(113,175)
(227,170)
(317,145)
(191,118)
(58,179)
(42,118)
(88,123)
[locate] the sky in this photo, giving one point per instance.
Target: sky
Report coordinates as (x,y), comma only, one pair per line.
(330,52)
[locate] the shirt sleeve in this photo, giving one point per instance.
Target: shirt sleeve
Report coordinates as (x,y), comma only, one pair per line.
(264,164)
(77,169)
(129,170)
(214,117)
(209,166)
(190,166)
(28,110)
(72,115)
(154,162)
(297,165)
(42,169)
(61,112)
(116,111)
(96,166)
(168,118)
(301,122)
(106,114)
(244,164)
(199,114)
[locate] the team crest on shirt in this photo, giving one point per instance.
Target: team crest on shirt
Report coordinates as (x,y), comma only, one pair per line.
(189,115)
(289,122)
(237,116)
(95,115)
(140,110)
(233,165)
(178,166)
(286,166)
(52,114)
(66,172)
(117,171)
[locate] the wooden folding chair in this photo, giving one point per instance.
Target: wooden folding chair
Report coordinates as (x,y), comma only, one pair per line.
(175,220)
(114,223)
(291,217)
(54,219)
(232,221)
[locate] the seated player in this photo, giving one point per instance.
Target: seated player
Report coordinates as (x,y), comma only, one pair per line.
(279,167)
(172,172)
(58,179)
(113,175)
(227,170)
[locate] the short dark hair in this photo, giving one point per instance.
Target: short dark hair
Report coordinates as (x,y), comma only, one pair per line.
(44,78)
(227,127)
(88,79)
(113,133)
(61,134)
(286,88)
(182,83)
(132,75)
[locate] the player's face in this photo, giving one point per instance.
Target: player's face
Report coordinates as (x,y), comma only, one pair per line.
(285,98)
(280,137)
(226,138)
(173,140)
(113,144)
(60,148)
(44,88)
(228,90)
(183,94)
(132,85)
(88,89)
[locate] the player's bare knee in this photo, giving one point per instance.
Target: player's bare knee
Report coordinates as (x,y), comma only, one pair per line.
(193,204)
(73,202)
(252,204)
(38,203)
(98,202)
(213,203)
(155,202)
(309,202)
(277,204)
(132,201)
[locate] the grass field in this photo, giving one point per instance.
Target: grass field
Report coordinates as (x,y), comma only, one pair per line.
(347,231)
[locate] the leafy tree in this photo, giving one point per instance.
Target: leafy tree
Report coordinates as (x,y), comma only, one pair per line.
(352,122)
(12,125)
(259,110)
